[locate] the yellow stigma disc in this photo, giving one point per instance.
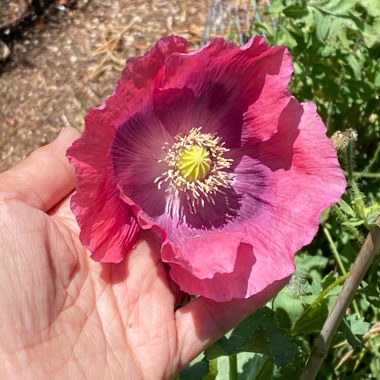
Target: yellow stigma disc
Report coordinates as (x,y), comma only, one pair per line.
(194,163)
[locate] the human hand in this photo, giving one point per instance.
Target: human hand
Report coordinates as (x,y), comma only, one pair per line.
(62,315)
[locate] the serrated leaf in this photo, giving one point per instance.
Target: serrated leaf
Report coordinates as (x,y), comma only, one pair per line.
(291,370)
(372,214)
(258,333)
(353,328)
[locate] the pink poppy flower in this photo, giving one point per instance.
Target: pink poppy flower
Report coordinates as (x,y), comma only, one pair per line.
(211,151)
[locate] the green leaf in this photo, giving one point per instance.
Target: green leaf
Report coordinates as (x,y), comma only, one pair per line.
(353,328)
(288,307)
(322,23)
(306,263)
(371,6)
(264,27)
(346,208)
(371,292)
(286,38)
(352,339)
(197,371)
(275,8)
(257,368)
(353,224)
(295,11)
(312,266)
(292,370)
(342,36)
(258,333)
(355,66)
(312,319)
(357,325)
(339,7)
(371,34)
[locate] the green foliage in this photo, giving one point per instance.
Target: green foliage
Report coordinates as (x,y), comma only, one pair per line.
(335,46)
(336,49)
(259,333)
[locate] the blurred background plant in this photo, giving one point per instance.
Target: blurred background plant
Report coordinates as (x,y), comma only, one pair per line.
(336,52)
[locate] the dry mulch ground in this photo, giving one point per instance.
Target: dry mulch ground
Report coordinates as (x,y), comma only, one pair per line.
(61,66)
(70,58)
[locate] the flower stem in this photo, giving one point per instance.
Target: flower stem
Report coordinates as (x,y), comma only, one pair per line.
(232,359)
(334,250)
(366,175)
(339,262)
(344,219)
(350,169)
(359,269)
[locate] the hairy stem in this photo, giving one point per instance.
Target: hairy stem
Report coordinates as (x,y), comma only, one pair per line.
(354,231)
(350,169)
(366,175)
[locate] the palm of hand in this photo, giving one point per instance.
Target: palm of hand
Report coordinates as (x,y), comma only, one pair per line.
(63,315)
(71,315)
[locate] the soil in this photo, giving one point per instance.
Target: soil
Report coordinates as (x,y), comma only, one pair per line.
(67,60)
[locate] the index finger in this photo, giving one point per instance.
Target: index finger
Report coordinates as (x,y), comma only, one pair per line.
(45,177)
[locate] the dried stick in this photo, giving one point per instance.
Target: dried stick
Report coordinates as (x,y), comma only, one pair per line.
(360,267)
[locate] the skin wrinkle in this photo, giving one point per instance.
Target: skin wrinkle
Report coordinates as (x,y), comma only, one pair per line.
(68,328)
(107,342)
(133,352)
(117,316)
(125,335)
(43,155)
(71,358)
(147,287)
(25,352)
(14,195)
